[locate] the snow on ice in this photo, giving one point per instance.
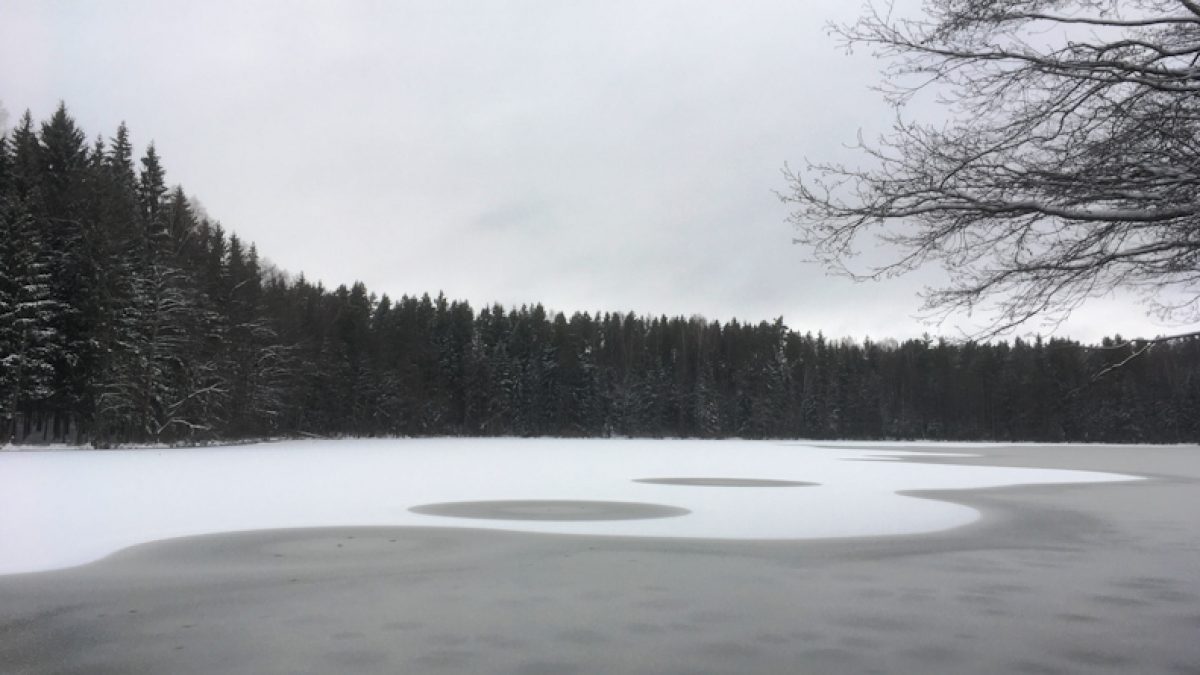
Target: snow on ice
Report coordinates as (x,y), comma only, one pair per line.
(64,508)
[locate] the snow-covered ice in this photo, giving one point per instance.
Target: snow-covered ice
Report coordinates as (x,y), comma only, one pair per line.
(64,508)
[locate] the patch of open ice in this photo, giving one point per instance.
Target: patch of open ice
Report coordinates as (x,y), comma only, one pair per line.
(59,509)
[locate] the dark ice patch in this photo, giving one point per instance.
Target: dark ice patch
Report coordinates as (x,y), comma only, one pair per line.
(726,482)
(548,509)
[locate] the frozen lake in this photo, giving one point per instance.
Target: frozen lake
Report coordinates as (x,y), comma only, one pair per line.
(65,508)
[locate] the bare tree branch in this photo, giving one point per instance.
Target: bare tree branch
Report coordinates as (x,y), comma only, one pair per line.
(1068,167)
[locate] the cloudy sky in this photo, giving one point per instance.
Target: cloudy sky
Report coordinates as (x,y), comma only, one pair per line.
(602,155)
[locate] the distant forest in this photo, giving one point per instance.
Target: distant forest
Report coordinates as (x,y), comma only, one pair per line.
(127,316)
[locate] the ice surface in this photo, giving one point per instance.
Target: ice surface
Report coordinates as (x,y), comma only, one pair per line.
(64,508)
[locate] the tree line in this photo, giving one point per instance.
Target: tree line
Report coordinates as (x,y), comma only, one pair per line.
(128,316)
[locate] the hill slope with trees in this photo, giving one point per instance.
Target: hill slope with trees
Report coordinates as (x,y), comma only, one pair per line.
(127,316)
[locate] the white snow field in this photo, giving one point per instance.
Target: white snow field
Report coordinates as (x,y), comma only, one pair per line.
(68,507)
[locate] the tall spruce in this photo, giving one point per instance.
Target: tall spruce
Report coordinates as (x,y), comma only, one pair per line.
(30,339)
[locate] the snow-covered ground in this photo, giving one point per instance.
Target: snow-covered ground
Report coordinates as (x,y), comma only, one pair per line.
(64,508)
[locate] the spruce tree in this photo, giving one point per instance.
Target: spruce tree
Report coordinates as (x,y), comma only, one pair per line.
(30,341)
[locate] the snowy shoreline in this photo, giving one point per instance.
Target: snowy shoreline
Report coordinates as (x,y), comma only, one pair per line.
(934,444)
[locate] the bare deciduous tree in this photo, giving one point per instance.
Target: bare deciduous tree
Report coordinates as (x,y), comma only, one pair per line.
(1068,165)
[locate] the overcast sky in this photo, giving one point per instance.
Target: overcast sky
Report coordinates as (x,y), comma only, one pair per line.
(604,155)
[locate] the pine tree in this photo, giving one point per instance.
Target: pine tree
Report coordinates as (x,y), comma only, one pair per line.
(72,237)
(5,167)
(30,341)
(258,361)
(24,174)
(151,185)
(164,382)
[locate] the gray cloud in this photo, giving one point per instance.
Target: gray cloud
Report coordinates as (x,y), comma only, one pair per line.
(590,156)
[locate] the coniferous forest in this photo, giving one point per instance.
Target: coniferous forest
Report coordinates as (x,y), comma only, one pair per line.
(126,315)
